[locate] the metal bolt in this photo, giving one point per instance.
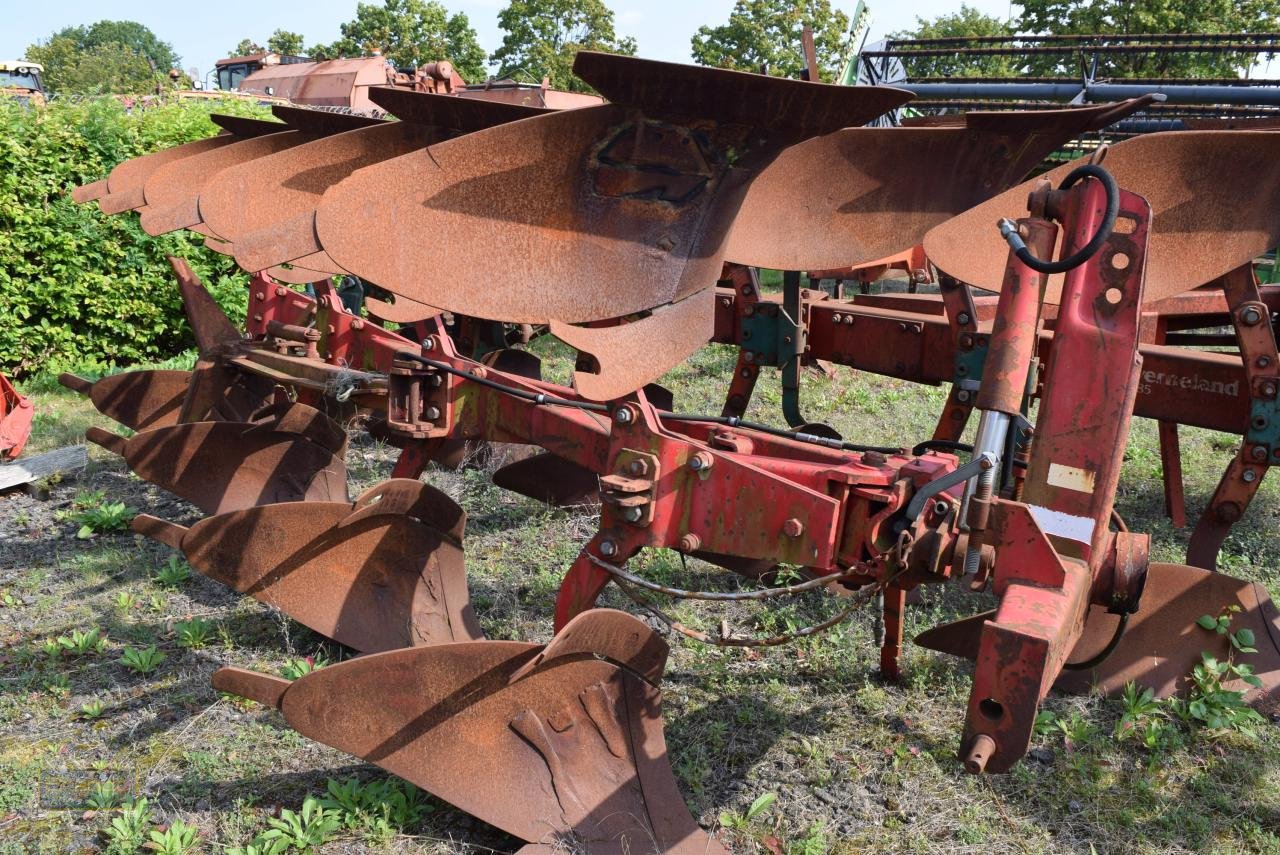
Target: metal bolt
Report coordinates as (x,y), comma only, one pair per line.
(436,380)
(966,340)
(632,514)
(701,461)
(941,508)
(748,310)
(638,467)
(963,396)
(962,370)
(1259,452)
(432,413)
(357,324)
(622,416)
(280,292)
(608,549)
(261,295)
(1248,476)
(746,373)
(726,301)
(793,527)
(429,343)
(1269,389)
(835,319)
(1251,316)
(1264,361)
(748,356)
(848,319)
(962,318)
(1259,422)
(690,542)
(747,290)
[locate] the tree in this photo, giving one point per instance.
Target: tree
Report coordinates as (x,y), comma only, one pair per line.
(410,33)
(246,47)
(766,34)
(1062,17)
(542,37)
(285,42)
(967,22)
(133,35)
(80,59)
(112,67)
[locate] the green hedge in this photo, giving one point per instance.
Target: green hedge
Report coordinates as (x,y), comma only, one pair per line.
(78,288)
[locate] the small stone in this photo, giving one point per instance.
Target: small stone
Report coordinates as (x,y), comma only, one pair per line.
(1074,806)
(1041,755)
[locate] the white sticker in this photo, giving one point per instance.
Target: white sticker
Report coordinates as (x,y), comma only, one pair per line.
(1070,526)
(1071,478)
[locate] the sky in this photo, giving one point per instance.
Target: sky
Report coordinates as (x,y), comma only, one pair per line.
(204,31)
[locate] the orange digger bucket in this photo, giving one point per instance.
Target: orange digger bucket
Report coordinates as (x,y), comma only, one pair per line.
(555,744)
(16,414)
(1160,643)
(226,466)
(381,573)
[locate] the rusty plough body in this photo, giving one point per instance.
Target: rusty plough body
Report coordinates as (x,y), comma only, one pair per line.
(611,225)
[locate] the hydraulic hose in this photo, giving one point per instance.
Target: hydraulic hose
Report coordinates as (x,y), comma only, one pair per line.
(1009,229)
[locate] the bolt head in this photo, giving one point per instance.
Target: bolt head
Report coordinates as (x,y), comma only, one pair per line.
(793,527)
(963,318)
(963,396)
(632,514)
(1259,452)
(690,542)
(701,461)
(1251,315)
(622,416)
(1269,389)
(1248,476)
(429,343)
(941,508)
(608,549)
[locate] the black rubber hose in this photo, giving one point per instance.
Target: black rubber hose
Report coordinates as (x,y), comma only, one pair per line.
(1089,250)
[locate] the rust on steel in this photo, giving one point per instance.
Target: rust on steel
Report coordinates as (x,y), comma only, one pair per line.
(225,466)
(136,399)
(577,725)
(1212,196)
(266,207)
(601,211)
(861,194)
(550,478)
(665,338)
(1162,642)
(124,187)
(381,573)
(173,191)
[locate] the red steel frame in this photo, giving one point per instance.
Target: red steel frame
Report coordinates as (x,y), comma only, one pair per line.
(918,337)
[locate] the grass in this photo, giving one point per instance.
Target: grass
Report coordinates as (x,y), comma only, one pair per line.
(798,749)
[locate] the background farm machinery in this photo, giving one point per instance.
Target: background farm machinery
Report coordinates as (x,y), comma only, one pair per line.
(616,222)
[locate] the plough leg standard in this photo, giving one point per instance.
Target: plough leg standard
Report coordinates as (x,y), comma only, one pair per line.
(579,719)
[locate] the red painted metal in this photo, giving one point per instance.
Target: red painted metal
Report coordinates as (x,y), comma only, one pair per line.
(16,414)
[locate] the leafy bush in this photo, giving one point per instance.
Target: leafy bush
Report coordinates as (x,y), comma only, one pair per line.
(78,287)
